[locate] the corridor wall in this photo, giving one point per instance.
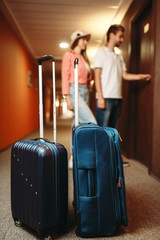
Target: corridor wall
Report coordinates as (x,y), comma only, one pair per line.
(18,87)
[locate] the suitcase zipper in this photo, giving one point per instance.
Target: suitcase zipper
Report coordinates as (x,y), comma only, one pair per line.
(119,182)
(56,181)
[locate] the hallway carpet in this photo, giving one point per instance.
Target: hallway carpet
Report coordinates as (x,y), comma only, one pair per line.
(142,192)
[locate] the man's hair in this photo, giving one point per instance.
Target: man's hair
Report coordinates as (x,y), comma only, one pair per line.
(114,29)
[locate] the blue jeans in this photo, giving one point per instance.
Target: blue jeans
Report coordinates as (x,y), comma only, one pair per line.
(85,113)
(109,116)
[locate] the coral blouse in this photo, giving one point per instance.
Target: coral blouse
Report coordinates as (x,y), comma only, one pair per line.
(68,71)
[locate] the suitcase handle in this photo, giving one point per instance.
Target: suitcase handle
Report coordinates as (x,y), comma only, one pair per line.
(40,60)
(76,92)
(43,139)
(45,58)
(76,62)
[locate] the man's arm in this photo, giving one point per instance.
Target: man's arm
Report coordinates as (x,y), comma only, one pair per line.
(100,102)
(133,76)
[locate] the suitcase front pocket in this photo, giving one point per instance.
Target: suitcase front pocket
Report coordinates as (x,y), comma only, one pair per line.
(87,182)
(88,215)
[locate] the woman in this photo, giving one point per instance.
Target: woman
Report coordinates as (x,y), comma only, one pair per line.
(79,42)
(78,46)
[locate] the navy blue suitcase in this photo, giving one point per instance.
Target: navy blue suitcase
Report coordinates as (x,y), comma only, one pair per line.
(99,188)
(39,180)
(39,193)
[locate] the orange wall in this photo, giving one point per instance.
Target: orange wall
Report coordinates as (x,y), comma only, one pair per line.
(18,102)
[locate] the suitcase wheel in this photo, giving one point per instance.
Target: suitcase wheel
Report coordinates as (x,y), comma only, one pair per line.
(18,223)
(48,238)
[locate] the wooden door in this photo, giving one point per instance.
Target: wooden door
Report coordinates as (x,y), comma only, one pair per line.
(143,90)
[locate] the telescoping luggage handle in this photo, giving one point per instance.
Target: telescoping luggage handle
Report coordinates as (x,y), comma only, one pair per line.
(76,92)
(40,60)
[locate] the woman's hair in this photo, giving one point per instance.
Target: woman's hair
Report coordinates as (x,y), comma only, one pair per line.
(75,43)
(83,52)
(114,29)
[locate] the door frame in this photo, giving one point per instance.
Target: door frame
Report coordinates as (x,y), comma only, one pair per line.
(133,63)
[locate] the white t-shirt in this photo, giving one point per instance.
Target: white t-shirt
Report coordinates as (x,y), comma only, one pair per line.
(112,66)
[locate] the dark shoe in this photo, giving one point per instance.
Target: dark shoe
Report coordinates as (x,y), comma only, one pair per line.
(126,164)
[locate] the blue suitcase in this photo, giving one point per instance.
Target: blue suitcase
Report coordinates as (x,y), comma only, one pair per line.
(39,179)
(99,188)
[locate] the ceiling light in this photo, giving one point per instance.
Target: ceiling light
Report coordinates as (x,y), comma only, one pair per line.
(113,7)
(64,45)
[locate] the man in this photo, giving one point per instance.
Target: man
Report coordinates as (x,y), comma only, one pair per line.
(110,69)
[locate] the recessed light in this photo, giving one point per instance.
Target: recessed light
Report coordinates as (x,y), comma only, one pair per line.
(113,7)
(64,45)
